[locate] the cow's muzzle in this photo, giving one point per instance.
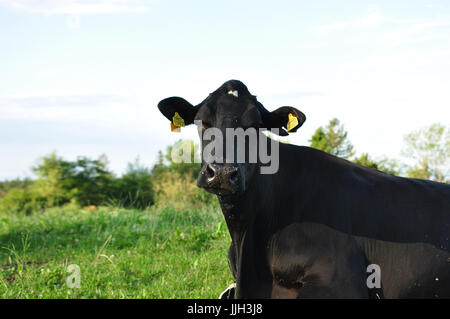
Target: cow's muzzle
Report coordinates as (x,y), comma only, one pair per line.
(220,179)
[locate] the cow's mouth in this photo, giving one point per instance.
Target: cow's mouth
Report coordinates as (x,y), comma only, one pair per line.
(219,191)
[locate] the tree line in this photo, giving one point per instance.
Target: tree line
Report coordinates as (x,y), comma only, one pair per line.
(428,147)
(87,182)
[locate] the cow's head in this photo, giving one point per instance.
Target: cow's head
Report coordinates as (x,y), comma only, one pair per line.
(230,107)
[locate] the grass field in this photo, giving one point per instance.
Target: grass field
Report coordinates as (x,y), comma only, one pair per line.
(157,253)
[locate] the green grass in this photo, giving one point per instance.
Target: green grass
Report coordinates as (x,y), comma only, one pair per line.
(157,253)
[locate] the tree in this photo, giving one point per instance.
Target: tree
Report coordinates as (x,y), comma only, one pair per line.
(430,147)
(181,157)
(52,188)
(134,188)
(6,186)
(365,160)
(174,180)
(86,181)
(90,180)
(389,166)
(333,139)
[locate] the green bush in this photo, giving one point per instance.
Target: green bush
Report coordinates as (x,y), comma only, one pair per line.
(166,163)
(89,183)
(134,188)
(17,200)
(6,186)
(86,181)
(34,198)
(181,192)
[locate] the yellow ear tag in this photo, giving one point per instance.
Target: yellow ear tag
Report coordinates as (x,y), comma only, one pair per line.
(177,122)
(174,128)
(292,122)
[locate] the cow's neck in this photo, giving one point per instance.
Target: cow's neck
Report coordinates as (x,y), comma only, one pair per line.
(236,217)
(247,248)
(272,202)
(275,201)
(245,211)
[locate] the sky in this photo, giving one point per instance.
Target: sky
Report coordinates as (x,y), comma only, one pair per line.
(83,78)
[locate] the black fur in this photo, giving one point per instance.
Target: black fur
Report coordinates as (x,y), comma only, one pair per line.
(311,229)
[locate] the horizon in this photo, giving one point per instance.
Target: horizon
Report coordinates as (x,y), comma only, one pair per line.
(83,78)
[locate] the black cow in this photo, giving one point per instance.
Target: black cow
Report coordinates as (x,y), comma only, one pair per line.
(312,229)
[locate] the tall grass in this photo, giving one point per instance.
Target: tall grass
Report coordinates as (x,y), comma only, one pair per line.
(161,252)
(181,192)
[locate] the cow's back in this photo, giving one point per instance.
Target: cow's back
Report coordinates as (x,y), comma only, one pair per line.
(401,224)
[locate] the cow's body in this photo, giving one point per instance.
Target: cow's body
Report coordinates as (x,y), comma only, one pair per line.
(312,229)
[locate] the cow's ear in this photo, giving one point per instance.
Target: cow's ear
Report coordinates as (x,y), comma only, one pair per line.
(172,105)
(286,118)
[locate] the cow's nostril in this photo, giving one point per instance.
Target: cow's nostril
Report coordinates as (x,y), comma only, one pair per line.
(210,172)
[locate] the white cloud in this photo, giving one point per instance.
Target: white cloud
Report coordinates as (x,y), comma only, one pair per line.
(73,21)
(76,7)
(408,32)
(394,80)
(372,18)
(63,101)
(78,108)
(326,28)
(434,6)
